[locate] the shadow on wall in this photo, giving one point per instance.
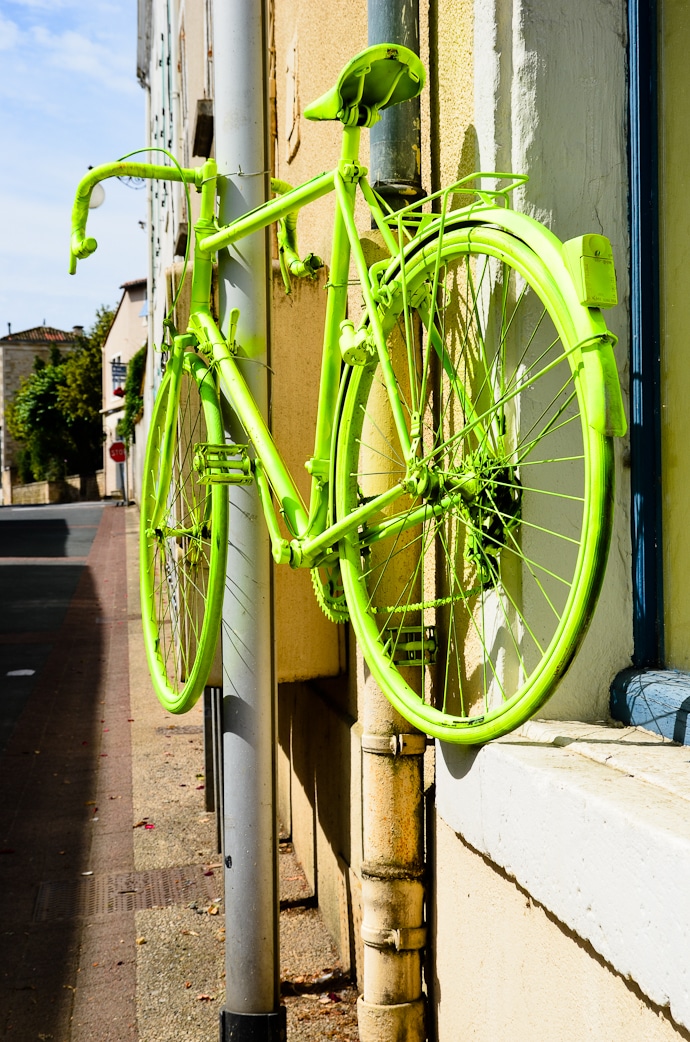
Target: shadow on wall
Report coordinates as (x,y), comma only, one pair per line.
(314,732)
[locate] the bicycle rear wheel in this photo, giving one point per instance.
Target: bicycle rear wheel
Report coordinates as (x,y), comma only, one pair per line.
(471,593)
(183,550)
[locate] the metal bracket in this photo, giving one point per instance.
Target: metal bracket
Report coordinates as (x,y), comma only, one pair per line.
(410,938)
(222,464)
(394,744)
(412,645)
(356,346)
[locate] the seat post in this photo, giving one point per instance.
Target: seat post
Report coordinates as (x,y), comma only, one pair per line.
(349,152)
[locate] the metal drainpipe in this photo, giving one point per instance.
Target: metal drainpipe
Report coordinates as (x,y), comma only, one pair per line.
(252,1003)
(395,142)
(391,1008)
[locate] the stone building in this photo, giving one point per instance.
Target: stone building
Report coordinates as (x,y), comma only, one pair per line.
(18,351)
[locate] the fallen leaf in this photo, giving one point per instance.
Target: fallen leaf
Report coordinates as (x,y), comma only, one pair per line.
(141,940)
(140,824)
(213,910)
(90,803)
(193,933)
(205,998)
(187,984)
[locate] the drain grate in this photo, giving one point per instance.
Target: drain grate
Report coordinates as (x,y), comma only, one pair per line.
(123,892)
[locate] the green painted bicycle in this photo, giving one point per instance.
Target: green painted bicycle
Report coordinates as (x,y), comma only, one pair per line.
(462,472)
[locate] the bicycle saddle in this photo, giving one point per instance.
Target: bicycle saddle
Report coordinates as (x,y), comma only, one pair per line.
(383,75)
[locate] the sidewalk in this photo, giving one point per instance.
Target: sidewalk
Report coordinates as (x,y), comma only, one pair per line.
(111,916)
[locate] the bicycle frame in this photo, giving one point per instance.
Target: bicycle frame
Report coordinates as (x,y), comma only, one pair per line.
(312,529)
(313,533)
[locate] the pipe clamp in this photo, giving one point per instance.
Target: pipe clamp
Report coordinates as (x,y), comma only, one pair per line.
(394,744)
(410,938)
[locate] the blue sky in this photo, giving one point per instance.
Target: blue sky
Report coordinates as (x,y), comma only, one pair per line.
(69,99)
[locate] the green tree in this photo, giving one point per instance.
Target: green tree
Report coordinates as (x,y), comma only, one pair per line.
(55,413)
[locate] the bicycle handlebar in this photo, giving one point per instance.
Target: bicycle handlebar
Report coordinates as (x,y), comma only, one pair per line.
(81,245)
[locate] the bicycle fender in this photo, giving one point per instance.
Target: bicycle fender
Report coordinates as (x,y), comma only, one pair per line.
(603,398)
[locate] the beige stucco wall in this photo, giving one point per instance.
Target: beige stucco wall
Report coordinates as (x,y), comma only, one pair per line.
(307,644)
(674,256)
(517,973)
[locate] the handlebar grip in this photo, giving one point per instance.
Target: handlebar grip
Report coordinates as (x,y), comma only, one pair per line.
(81,245)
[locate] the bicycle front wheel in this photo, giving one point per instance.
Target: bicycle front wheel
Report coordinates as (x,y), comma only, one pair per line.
(183,540)
(471,592)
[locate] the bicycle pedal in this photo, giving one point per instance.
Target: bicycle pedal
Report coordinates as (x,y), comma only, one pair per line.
(412,645)
(222,464)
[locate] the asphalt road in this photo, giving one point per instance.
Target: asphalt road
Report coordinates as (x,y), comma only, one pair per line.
(43,551)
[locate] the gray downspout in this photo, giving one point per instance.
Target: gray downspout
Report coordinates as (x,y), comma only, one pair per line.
(391,1008)
(395,142)
(252,1003)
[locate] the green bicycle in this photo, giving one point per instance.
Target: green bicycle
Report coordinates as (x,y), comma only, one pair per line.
(462,473)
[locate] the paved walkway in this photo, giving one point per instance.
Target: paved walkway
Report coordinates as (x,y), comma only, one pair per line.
(111,924)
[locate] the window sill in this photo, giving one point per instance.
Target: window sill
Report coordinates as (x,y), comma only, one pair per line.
(594,822)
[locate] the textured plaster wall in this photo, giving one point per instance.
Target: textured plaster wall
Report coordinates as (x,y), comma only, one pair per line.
(518,974)
(674,257)
(550,101)
(319,769)
(313,40)
(307,644)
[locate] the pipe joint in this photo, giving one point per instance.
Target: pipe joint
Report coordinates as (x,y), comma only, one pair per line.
(404,939)
(394,744)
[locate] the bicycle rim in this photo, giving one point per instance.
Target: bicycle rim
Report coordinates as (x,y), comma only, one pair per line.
(470,597)
(183,557)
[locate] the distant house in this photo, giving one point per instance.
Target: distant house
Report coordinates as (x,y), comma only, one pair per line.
(127,335)
(18,352)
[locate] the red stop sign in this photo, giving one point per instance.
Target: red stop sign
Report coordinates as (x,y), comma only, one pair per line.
(117,451)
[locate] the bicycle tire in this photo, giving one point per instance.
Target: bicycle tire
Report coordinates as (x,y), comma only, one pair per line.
(470,616)
(183,555)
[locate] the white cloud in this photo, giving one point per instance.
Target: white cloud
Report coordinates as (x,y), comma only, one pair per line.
(78,54)
(69,98)
(9,34)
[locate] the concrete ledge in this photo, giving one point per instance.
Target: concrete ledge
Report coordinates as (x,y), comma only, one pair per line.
(594,822)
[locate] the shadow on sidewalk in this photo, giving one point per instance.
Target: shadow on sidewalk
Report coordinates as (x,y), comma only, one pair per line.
(50,773)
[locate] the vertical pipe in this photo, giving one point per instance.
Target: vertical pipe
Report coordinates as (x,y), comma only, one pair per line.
(391,1008)
(645,374)
(252,1005)
(395,158)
